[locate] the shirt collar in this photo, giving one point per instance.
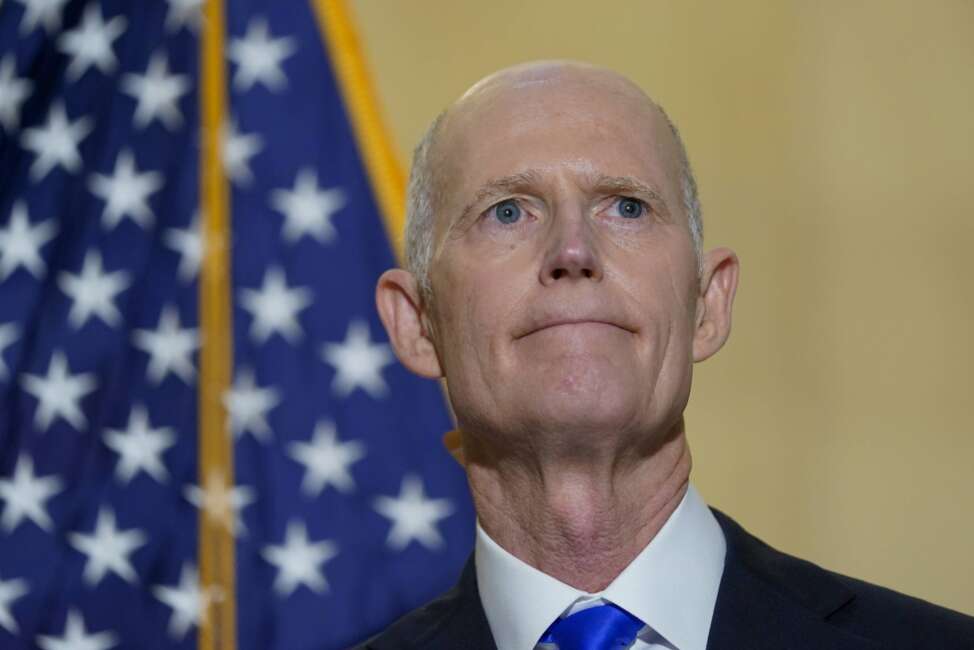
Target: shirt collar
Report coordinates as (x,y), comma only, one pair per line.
(671,585)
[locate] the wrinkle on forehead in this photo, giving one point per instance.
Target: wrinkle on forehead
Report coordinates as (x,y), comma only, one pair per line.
(541,88)
(572,83)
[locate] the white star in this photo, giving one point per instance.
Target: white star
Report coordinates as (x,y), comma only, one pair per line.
(8,334)
(10,590)
(413,516)
(259,57)
(275,306)
(108,549)
(357,362)
(238,149)
(14,91)
(76,638)
(126,192)
(220,502)
(140,447)
(56,143)
(93,292)
(247,405)
(188,602)
(326,460)
(47,12)
(307,209)
(157,93)
(190,245)
(59,393)
(20,243)
(184,12)
(26,495)
(90,43)
(170,348)
(299,561)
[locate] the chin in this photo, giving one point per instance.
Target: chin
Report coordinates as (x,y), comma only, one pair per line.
(585,403)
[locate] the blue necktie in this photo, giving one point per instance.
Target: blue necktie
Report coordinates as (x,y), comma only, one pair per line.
(603,627)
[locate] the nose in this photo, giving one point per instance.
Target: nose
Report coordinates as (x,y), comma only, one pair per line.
(572,252)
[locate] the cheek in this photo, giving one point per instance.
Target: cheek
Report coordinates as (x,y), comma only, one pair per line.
(660,286)
(470,320)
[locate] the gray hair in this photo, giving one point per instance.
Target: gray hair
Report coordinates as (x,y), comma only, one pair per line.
(422,197)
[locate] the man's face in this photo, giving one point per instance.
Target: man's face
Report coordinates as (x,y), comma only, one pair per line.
(564,279)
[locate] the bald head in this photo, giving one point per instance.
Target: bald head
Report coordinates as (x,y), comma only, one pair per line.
(551,74)
(527,94)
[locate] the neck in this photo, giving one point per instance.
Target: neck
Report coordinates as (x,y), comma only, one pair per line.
(581,521)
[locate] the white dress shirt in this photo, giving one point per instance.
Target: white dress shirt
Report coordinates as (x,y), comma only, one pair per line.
(671,586)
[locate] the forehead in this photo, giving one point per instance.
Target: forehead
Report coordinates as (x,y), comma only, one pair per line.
(554,122)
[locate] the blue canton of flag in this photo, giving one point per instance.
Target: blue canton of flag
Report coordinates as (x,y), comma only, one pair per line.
(346,509)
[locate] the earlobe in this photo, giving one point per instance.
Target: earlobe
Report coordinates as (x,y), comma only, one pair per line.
(400,307)
(718,287)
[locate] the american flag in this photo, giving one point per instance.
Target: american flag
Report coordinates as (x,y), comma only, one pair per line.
(338,507)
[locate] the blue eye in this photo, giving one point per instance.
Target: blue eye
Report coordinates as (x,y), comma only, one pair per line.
(630,208)
(507,212)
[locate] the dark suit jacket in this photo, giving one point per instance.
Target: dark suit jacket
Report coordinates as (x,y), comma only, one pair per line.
(767,600)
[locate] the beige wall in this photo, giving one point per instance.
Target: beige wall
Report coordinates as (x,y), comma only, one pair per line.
(834,147)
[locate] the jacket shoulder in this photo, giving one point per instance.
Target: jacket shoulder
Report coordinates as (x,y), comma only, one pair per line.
(900,620)
(870,611)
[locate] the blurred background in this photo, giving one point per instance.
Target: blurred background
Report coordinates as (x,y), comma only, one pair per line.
(205,441)
(833,143)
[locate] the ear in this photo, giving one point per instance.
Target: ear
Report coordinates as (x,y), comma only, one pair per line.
(400,307)
(718,285)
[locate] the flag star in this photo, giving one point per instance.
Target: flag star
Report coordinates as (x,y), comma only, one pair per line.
(221,502)
(77,638)
(413,516)
(157,93)
(126,192)
(45,12)
(93,292)
(358,362)
(10,590)
(8,334)
(275,306)
(189,603)
(184,12)
(247,405)
(26,496)
(238,149)
(14,91)
(90,43)
(170,348)
(21,243)
(307,209)
(190,245)
(59,393)
(259,57)
(56,143)
(108,549)
(326,460)
(298,561)
(140,447)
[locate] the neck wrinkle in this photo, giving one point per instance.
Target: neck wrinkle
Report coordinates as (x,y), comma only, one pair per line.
(580,524)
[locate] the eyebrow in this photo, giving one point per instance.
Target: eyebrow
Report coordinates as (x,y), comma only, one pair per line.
(502,185)
(631,185)
(532,178)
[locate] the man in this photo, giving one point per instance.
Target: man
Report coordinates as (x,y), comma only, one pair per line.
(557,282)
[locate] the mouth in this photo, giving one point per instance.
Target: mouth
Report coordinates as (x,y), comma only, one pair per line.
(570,322)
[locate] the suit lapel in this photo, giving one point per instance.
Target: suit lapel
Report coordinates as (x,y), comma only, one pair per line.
(467,627)
(768,600)
(454,620)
